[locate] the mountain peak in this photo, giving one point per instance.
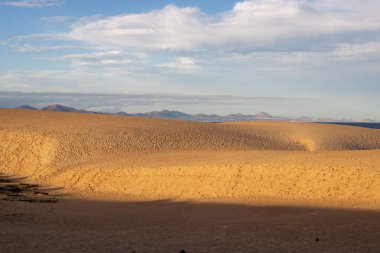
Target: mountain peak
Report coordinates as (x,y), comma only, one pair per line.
(304,119)
(263,115)
(59,108)
(27,107)
(168,114)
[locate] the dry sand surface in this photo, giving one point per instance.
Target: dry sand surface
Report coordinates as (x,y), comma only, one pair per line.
(164,227)
(234,187)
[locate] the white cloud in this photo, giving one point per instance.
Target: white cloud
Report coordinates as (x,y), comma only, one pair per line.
(32,3)
(298,57)
(12,81)
(29,48)
(113,58)
(44,74)
(249,25)
(40,36)
(356,51)
(56,19)
(181,64)
(169,28)
(47,80)
(95,55)
(342,52)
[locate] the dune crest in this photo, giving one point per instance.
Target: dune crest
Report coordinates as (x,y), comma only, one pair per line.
(132,157)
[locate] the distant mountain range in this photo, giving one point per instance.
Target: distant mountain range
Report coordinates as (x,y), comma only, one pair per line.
(56,108)
(166,114)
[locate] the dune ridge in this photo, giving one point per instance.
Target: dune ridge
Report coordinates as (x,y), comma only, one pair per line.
(132,157)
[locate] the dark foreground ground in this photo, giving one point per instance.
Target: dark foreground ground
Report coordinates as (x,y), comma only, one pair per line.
(164,226)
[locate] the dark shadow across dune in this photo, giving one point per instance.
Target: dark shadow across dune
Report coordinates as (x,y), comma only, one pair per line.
(166,226)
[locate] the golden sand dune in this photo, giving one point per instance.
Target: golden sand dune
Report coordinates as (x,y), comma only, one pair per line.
(132,157)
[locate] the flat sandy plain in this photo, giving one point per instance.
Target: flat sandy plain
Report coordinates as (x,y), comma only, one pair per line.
(151,185)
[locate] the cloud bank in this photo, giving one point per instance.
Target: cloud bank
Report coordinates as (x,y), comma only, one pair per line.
(119,102)
(250,25)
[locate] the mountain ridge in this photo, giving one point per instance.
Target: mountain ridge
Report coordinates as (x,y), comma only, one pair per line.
(201,117)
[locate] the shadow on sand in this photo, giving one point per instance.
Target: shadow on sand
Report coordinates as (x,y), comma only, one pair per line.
(14,189)
(167,226)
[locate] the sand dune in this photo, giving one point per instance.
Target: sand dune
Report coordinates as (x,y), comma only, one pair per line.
(285,187)
(106,156)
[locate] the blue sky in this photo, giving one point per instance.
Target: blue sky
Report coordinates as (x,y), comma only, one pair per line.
(319,58)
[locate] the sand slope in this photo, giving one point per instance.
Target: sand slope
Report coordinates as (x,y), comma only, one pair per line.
(131,157)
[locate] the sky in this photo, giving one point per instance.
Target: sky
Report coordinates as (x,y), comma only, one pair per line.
(319,58)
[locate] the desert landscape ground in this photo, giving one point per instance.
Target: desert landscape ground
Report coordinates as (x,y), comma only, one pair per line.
(133,184)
